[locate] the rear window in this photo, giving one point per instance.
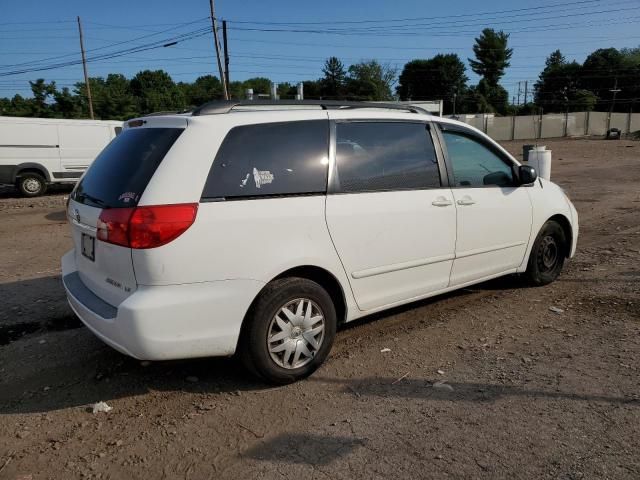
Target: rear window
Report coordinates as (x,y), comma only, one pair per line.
(119,175)
(283,158)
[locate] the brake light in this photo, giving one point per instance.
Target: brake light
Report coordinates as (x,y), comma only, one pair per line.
(145,227)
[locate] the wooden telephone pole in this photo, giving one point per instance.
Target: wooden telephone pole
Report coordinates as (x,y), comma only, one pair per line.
(217,45)
(84,66)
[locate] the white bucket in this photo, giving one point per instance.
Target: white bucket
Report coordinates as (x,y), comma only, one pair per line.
(540,159)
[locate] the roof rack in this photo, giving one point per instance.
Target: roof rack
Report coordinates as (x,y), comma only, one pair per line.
(166,112)
(226,106)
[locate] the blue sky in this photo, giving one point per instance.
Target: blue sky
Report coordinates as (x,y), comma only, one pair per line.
(391,32)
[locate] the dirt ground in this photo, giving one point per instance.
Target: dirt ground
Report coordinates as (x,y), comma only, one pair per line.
(528,393)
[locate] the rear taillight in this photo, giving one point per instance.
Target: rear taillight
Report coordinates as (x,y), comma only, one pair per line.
(145,227)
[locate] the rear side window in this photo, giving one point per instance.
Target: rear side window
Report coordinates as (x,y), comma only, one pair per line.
(381,156)
(285,158)
(121,172)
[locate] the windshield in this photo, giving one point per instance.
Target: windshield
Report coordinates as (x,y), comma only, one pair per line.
(121,172)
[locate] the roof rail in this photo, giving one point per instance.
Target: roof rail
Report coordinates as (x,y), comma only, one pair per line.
(226,106)
(166,112)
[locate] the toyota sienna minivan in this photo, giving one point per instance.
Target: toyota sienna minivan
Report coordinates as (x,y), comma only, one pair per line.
(257,228)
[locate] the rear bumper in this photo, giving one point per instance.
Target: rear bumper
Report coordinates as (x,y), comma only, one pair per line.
(165,322)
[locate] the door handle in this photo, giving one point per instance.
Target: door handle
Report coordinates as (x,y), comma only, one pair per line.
(466,200)
(441,202)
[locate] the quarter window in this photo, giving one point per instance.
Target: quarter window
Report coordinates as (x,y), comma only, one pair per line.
(474,164)
(379,156)
(271,159)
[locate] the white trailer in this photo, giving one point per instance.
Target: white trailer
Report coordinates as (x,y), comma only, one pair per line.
(35,152)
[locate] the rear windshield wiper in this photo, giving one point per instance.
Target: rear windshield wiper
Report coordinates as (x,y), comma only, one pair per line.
(94,200)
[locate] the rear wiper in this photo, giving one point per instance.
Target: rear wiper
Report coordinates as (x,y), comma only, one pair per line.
(97,201)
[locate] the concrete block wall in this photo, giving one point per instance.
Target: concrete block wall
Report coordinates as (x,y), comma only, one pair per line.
(552,125)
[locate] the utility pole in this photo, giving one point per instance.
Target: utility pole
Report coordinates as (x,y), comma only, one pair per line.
(526,90)
(519,93)
(226,53)
(217,45)
(84,66)
(455,95)
(615,91)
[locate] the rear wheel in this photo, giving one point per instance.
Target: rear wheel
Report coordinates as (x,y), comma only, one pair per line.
(289,331)
(547,255)
(31,184)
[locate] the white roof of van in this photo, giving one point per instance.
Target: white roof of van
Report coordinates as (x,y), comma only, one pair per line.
(58,121)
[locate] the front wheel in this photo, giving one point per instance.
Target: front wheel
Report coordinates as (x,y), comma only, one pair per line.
(547,255)
(289,331)
(31,184)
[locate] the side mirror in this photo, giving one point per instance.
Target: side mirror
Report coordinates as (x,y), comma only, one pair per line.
(527,175)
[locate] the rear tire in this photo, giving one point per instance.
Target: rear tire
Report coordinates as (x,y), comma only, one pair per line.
(547,255)
(31,184)
(289,331)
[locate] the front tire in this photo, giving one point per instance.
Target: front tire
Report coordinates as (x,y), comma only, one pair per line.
(289,331)
(31,184)
(547,255)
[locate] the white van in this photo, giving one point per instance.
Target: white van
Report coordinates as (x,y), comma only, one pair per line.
(35,152)
(259,227)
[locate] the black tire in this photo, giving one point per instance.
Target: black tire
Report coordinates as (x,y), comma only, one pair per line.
(253,347)
(31,184)
(547,255)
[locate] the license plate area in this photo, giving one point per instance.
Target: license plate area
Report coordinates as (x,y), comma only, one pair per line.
(88,244)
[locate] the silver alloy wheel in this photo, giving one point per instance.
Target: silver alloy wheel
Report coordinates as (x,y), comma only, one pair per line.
(296,333)
(31,185)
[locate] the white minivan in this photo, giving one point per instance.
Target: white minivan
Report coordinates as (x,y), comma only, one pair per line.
(36,152)
(260,227)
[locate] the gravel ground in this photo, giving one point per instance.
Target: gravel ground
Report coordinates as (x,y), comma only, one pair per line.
(484,383)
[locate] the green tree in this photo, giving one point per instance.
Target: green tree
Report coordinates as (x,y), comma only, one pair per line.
(333,83)
(117,100)
(492,59)
(155,91)
(370,81)
(260,85)
(311,89)
(287,90)
(204,89)
(558,87)
(492,55)
(607,68)
(582,100)
(21,107)
(236,90)
(42,92)
(438,78)
(67,105)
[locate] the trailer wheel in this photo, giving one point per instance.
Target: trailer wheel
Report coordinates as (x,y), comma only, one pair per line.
(31,184)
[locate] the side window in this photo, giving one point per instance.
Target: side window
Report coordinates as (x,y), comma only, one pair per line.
(271,159)
(379,156)
(474,164)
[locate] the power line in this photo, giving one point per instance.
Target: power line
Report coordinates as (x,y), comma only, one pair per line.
(332,22)
(108,46)
(159,44)
(431,33)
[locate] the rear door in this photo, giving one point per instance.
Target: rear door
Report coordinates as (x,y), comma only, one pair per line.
(494,214)
(115,180)
(80,145)
(390,216)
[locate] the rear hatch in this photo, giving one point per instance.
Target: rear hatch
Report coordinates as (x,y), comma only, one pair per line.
(113,184)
